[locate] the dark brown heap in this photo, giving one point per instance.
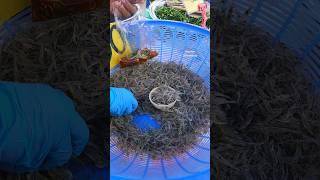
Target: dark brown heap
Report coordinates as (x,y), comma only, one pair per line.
(266,115)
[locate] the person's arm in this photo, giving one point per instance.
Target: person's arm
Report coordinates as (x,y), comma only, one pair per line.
(39,128)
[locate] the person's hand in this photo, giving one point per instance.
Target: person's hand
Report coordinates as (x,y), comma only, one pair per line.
(124,8)
(122,102)
(39,128)
(136,1)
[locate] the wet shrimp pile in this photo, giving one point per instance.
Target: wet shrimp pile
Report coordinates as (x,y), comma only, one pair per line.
(179,128)
(266,114)
(69,54)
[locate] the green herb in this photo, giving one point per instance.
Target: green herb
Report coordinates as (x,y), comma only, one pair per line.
(140,54)
(175,14)
(134,55)
(145,53)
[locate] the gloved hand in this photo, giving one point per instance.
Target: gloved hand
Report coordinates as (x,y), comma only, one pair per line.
(122,102)
(39,128)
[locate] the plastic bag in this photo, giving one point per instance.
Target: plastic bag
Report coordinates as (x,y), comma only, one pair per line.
(121,45)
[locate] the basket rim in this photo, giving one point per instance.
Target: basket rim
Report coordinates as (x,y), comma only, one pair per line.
(174,23)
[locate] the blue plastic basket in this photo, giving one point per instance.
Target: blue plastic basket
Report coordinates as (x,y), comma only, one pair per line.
(17,23)
(184,44)
(293,22)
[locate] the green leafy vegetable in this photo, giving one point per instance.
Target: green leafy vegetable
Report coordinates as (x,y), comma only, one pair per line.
(175,14)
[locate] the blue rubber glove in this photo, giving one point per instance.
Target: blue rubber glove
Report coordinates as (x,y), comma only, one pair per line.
(122,102)
(39,128)
(145,122)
